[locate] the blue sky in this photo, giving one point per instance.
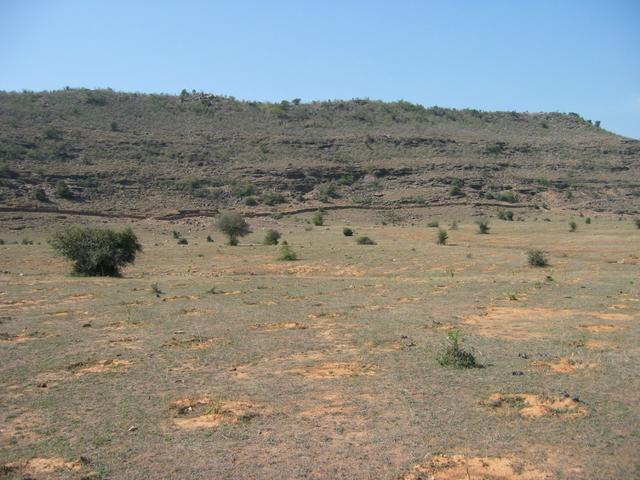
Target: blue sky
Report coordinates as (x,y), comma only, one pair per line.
(563,55)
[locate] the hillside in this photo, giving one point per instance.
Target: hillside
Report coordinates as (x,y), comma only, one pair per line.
(152,155)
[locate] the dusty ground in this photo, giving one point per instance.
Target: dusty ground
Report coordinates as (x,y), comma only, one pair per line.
(324,368)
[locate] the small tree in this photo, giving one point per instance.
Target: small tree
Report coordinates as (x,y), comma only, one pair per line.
(233,226)
(483,226)
(272,237)
(537,258)
(442,237)
(573,226)
(96,251)
(454,355)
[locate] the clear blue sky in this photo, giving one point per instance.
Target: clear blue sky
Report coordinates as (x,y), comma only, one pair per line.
(561,55)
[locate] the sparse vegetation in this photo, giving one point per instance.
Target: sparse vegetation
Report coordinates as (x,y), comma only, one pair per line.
(40,195)
(347,232)
(233,226)
(62,190)
(183,241)
(587,220)
(96,251)
(537,258)
(209,239)
(433,224)
(272,237)
(506,215)
(637,222)
(155,289)
(454,355)
(573,226)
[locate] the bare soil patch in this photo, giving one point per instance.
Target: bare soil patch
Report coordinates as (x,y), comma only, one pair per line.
(535,406)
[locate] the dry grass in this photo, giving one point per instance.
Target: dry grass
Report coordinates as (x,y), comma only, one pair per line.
(326,368)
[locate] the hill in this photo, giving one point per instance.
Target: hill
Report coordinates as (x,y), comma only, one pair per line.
(152,155)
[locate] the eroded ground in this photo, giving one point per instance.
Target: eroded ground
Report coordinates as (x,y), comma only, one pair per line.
(323,368)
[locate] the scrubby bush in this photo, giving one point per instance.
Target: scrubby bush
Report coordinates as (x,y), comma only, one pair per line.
(62,190)
(53,133)
(506,196)
(456,191)
(433,224)
(454,355)
(272,198)
(506,215)
(347,232)
(233,226)
(483,226)
(364,241)
(183,241)
(243,189)
(176,234)
(209,239)
(327,191)
(250,201)
(637,222)
(587,220)
(7,172)
(537,258)
(454,225)
(442,237)
(96,251)
(287,254)
(317,219)
(573,226)
(272,237)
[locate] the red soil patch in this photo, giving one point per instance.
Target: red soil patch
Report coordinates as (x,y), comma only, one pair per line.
(279,326)
(43,465)
(203,412)
(564,365)
(336,370)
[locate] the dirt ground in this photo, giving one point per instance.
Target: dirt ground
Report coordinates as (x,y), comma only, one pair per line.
(325,367)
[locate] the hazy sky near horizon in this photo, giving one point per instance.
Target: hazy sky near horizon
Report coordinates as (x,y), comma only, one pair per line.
(568,56)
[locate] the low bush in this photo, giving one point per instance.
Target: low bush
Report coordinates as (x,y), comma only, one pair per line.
(537,258)
(272,198)
(364,241)
(442,237)
(209,239)
(183,241)
(287,254)
(573,226)
(506,215)
(637,222)
(317,219)
(62,190)
(347,232)
(433,224)
(96,251)
(454,355)
(483,226)
(40,195)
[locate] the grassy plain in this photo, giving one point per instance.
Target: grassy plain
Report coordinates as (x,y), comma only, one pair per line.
(325,367)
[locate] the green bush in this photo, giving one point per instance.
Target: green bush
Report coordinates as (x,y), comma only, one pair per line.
(587,220)
(537,258)
(176,234)
(637,222)
(243,189)
(433,224)
(114,127)
(317,219)
(364,241)
(96,251)
(483,226)
(7,172)
(442,237)
(183,241)
(506,215)
(573,226)
(454,354)
(233,226)
(250,201)
(62,190)
(347,232)
(287,254)
(327,191)
(456,191)
(209,239)
(506,196)
(272,237)
(52,133)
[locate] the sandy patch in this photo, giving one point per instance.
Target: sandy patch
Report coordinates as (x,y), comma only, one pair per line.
(110,365)
(192,343)
(564,365)
(268,327)
(602,328)
(203,412)
(21,337)
(459,467)
(20,428)
(535,406)
(43,465)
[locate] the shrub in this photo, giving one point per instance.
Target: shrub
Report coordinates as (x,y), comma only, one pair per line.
(327,191)
(537,258)
(53,133)
(587,220)
(287,254)
(2,242)
(114,127)
(442,237)
(317,219)
(454,354)
(364,241)
(176,234)
(243,189)
(233,225)
(250,201)
(573,226)
(40,195)
(272,237)
(96,251)
(7,172)
(483,226)
(155,288)
(26,241)
(637,222)
(506,215)
(454,225)
(507,196)
(433,224)
(62,190)
(183,241)
(209,239)
(347,232)
(272,198)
